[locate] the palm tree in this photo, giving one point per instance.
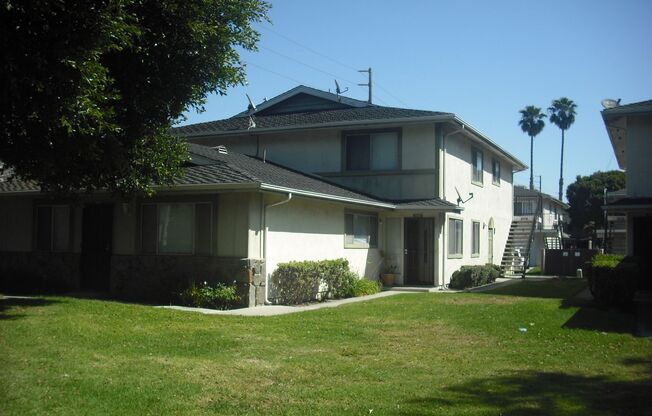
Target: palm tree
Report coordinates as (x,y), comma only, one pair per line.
(531,122)
(562,114)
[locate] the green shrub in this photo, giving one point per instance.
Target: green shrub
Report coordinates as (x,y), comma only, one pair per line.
(363,287)
(306,281)
(536,271)
(221,296)
(472,276)
(613,278)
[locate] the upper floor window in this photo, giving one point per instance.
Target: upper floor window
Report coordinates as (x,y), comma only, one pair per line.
(477,166)
(372,151)
(495,172)
(53,228)
(176,228)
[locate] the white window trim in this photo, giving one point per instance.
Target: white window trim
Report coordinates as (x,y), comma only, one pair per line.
(476,254)
(481,181)
(360,245)
(448,253)
(194,216)
(51,249)
(493,181)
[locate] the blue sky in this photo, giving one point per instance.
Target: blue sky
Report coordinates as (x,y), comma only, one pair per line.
(483,60)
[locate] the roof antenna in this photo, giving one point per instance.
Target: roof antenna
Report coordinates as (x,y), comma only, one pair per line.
(338,90)
(461,200)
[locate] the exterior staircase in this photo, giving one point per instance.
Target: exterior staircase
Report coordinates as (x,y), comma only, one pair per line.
(516,257)
(513,262)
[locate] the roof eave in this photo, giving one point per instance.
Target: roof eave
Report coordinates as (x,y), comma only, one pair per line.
(212,133)
(319,195)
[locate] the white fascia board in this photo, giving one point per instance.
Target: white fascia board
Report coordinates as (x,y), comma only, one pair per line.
(274,188)
(356,123)
(519,166)
(426,208)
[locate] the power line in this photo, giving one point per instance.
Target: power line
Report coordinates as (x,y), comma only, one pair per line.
(325,57)
(307,48)
(274,72)
(305,64)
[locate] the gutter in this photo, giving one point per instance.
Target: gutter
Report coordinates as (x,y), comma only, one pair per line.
(275,188)
(264,228)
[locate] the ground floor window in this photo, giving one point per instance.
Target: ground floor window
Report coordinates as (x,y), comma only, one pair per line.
(361,230)
(475,239)
(455,237)
(176,228)
(53,228)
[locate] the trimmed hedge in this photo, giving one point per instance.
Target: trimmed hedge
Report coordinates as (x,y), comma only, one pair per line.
(613,279)
(221,296)
(472,276)
(306,281)
(364,287)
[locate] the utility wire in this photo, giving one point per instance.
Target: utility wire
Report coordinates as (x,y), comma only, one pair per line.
(306,65)
(274,72)
(325,57)
(307,47)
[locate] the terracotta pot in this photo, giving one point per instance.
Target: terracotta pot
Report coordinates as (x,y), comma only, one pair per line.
(388,279)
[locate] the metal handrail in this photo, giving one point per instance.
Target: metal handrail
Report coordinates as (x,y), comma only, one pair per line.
(539,211)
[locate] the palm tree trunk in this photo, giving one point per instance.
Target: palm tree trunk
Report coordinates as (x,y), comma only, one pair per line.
(561,168)
(531,163)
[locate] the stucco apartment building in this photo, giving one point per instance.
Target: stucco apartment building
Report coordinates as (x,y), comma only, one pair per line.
(306,175)
(630,131)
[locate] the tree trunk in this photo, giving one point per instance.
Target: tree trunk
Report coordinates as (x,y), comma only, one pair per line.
(561,168)
(531,163)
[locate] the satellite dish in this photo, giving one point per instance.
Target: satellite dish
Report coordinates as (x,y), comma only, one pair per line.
(338,90)
(252,106)
(608,103)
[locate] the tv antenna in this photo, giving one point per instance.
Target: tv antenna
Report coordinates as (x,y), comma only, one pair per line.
(608,103)
(461,200)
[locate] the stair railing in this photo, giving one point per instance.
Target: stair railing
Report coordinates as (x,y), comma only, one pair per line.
(535,217)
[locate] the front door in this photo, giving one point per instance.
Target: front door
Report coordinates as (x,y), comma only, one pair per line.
(97,241)
(419,251)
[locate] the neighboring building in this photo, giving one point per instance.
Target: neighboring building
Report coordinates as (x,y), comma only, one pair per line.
(630,131)
(616,238)
(307,175)
(545,222)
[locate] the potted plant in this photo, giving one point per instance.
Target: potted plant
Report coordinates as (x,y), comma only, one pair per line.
(389,274)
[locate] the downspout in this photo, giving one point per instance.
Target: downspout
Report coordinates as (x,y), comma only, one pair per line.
(264,229)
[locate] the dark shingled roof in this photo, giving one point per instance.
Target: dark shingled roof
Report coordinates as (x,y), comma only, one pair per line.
(238,169)
(239,123)
(253,170)
(521,191)
(425,204)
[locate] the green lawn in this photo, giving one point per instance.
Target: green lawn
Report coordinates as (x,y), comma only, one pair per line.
(409,354)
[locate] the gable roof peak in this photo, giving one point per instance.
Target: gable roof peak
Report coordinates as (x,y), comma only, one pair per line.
(325,96)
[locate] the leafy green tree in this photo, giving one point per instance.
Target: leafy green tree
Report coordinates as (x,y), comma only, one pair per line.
(586,197)
(562,114)
(91,88)
(531,123)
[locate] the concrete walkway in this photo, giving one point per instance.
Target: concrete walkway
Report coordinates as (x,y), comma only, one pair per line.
(273,310)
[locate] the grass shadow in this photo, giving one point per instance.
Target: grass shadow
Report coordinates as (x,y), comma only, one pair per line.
(544,393)
(549,288)
(8,306)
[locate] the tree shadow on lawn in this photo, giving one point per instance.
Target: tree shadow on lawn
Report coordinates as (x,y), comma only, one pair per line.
(589,316)
(543,393)
(8,305)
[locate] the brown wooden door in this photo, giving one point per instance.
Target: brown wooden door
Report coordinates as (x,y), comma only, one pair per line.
(97,242)
(419,252)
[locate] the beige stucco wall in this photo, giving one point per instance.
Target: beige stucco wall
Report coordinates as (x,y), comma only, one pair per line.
(638,150)
(319,151)
(306,229)
(16,219)
(489,201)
